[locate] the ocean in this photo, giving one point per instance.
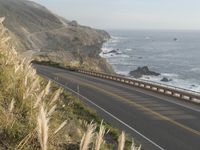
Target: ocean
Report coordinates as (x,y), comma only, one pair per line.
(173,54)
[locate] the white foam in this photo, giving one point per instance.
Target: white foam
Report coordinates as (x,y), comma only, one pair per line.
(108,46)
(114,40)
(195,69)
(175,79)
(117,37)
(169,75)
(109,55)
(106,49)
(120,58)
(151,78)
(122,72)
(197,89)
(128,49)
(176,82)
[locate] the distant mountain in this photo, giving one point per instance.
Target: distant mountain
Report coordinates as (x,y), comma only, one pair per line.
(53,37)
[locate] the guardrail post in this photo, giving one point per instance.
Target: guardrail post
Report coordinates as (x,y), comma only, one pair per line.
(178,93)
(154,88)
(190,98)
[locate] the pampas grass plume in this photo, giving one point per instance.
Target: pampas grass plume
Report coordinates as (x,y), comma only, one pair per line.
(56,96)
(60,127)
(47,89)
(43,128)
(99,138)
(51,111)
(121,141)
(87,137)
(11,107)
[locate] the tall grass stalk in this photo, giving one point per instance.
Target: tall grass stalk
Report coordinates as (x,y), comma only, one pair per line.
(60,127)
(43,128)
(11,107)
(99,138)
(9,114)
(39,99)
(51,111)
(134,147)
(121,141)
(87,137)
(2,19)
(47,88)
(55,96)
(31,105)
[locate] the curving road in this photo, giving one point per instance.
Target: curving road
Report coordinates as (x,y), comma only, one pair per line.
(158,122)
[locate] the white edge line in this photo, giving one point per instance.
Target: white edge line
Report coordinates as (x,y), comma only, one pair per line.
(148,94)
(105,111)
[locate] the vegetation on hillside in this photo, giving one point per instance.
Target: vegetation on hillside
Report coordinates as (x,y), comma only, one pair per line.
(36,114)
(54,38)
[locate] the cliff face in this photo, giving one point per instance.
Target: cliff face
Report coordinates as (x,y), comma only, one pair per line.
(51,37)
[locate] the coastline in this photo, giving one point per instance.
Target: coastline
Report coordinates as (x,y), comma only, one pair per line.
(175,81)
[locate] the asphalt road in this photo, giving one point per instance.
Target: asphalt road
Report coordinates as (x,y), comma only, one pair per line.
(156,121)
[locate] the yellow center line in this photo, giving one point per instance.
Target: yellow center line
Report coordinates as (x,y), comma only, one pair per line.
(80,82)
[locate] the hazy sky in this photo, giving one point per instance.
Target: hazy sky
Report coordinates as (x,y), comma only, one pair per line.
(129,14)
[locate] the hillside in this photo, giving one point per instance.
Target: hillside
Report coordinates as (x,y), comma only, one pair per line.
(54,38)
(36,114)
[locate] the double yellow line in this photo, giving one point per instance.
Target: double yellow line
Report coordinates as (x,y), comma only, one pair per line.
(80,82)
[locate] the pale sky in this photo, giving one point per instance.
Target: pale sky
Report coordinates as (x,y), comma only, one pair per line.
(129,14)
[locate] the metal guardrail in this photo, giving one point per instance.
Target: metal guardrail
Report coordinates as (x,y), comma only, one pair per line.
(172,91)
(180,93)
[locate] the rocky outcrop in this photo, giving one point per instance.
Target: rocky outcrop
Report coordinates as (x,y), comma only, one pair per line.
(140,71)
(51,36)
(165,79)
(73,23)
(114,51)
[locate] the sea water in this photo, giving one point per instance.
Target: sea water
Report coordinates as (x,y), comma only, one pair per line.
(173,54)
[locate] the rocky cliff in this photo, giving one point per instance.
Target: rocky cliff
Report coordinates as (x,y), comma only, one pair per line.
(54,38)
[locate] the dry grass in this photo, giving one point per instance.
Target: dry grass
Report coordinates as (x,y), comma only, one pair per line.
(88,137)
(60,127)
(51,111)
(32,110)
(121,141)
(134,147)
(99,137)
(55,97)
(43,128)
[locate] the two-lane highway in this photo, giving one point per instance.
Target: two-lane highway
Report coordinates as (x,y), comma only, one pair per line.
(158,122)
